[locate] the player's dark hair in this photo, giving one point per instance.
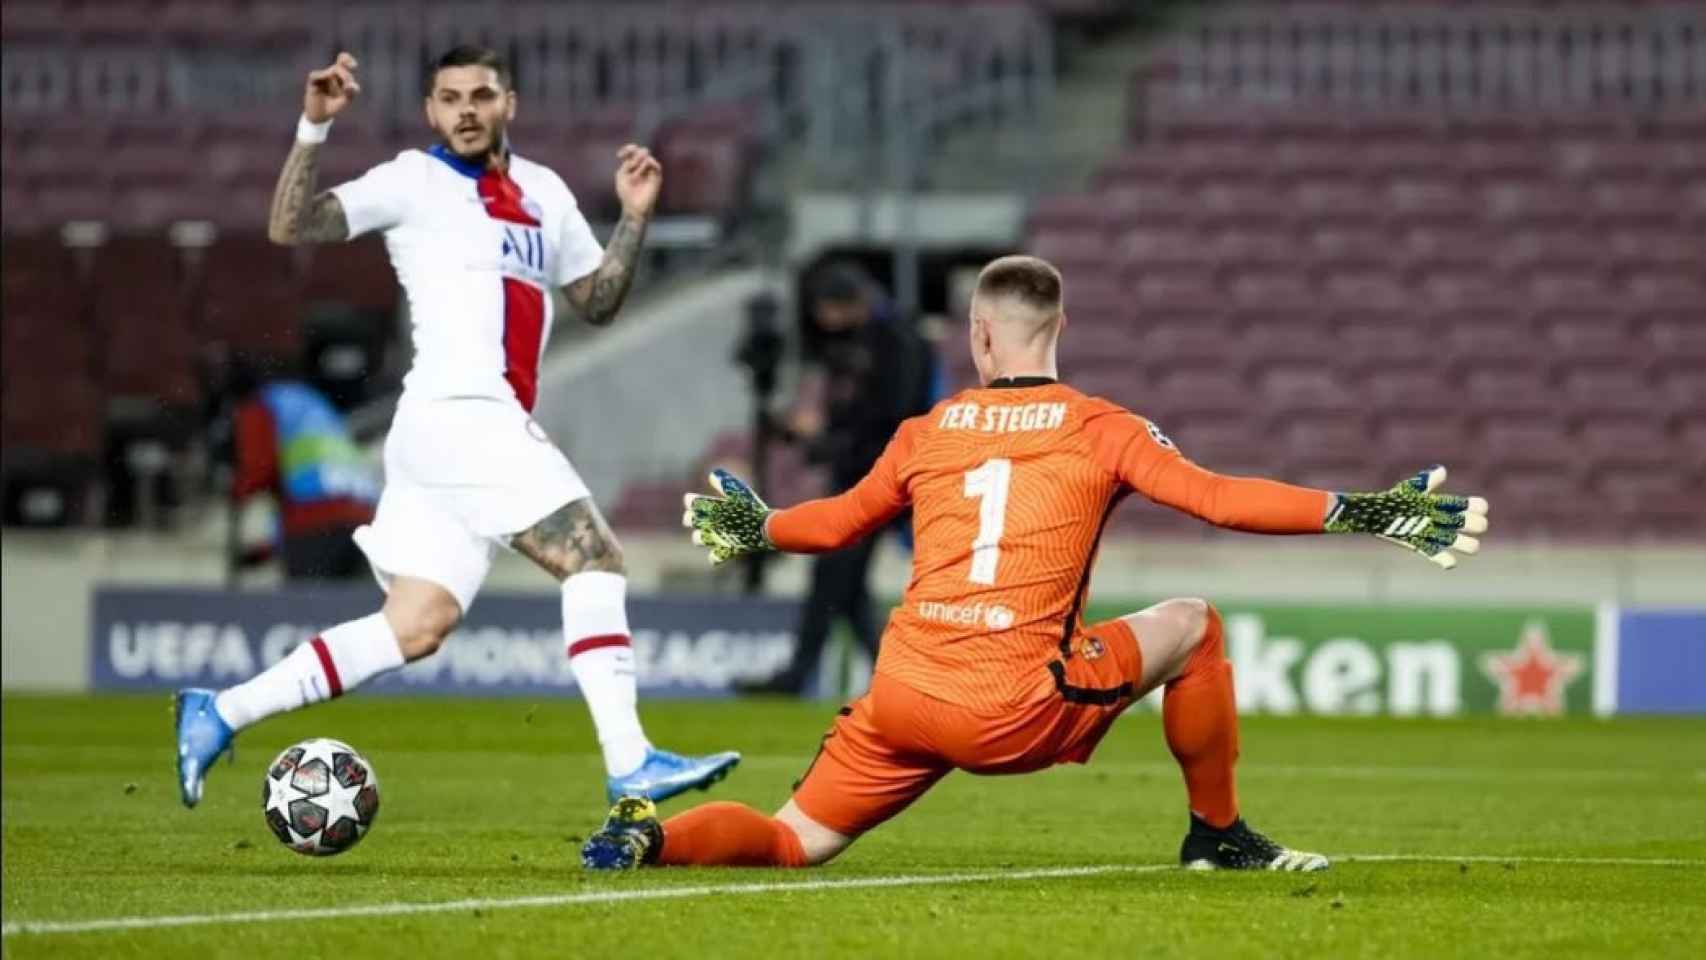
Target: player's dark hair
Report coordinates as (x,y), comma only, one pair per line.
(467,55)
(840,281)
(1031,280)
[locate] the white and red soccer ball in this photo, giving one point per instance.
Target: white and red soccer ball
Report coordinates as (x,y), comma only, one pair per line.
(320,797)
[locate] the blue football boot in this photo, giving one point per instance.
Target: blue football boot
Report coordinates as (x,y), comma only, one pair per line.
(631,837)
(202,736)
(666,774)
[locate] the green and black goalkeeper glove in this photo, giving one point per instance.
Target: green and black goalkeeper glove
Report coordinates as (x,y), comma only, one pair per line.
(1413,516)
(731,525)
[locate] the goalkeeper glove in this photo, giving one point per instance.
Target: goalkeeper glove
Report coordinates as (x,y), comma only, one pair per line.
(731,525)
(1414,517)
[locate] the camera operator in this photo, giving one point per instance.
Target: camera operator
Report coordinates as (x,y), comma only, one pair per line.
(866,370)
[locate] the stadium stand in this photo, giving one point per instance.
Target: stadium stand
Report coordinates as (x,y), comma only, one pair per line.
(1418,230)
(1421,266)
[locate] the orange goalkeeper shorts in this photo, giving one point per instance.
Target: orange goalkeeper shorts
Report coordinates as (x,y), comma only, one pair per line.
(891,745)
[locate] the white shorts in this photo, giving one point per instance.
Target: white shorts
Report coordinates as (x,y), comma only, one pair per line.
(461,477)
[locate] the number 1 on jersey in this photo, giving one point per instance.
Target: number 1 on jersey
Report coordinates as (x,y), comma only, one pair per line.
(989,484)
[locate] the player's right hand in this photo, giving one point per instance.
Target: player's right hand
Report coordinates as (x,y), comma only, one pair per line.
(1413,516)
(731,525)
(330,89)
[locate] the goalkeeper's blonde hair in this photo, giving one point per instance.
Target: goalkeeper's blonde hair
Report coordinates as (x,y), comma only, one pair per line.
(1031,283)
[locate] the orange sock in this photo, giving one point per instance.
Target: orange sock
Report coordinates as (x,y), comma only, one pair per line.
(1200,717)
(724,834)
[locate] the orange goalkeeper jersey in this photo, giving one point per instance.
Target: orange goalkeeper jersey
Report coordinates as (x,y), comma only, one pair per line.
(1010,487)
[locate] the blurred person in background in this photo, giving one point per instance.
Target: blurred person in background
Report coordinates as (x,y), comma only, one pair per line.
(287,440)
(866,369)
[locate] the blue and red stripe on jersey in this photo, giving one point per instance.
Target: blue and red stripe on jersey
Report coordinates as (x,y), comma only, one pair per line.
(524,303)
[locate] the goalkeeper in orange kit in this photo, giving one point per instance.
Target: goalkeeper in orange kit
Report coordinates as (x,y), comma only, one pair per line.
(987,665)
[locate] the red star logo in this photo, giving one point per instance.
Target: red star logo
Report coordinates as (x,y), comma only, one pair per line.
(1533,677)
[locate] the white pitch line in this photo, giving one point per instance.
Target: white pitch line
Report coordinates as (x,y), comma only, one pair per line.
(739,889)
(1483,858)
(561,899)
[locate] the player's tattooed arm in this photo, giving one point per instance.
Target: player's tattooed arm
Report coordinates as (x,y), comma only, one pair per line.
(598,295)
(572,540)
(299,214)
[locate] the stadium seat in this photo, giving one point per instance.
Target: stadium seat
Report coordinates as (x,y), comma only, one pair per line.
(1309,388)
(1337,200)
(1241,247)
(1608,386)
(1500,390)
(1157,288)
(708,153)
(1629,440)
(1511,204)
(142,314)
(1076,250)
(1349,245)
(1532,443)
(1639,204)
(251,297)
(1163,245)
(1144,203)
(1430,200)
(357,273)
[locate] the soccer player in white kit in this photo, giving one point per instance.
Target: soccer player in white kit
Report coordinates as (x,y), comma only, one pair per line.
(478,237)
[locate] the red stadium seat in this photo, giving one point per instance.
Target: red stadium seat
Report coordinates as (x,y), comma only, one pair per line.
(1629,248)
(1237,201)
(1682,288)
(1366,287)
(1443,247)
(1310,388)
(1526,202)
(1165,245)
(143,316)
(1337,200)
(1482,160)
(1630,440)
(1068,211)
(51,413)
(1431,200)
(1144,204)
(252,296)
(1075,250)
(1405,159)
(1158,288)
(1537,443)
(1236,247)
(1350,245)
(1607,386)
(1623,204)
(1275,289)
(357,273)
(1496,390)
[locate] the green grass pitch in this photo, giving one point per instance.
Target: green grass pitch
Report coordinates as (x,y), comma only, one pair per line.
(1553,838)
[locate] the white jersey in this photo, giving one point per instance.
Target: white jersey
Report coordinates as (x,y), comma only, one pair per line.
(476,252)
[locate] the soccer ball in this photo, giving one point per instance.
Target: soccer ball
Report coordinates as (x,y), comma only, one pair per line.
(320,797)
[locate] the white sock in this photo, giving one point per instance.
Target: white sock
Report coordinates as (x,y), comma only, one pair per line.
(337,660)
(595,628)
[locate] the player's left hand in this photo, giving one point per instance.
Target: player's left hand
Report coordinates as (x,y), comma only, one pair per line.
(1436,525)
(731,525)
(639,177)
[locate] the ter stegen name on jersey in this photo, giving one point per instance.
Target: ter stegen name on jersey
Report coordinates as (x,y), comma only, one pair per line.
(1017,418)
(523,254)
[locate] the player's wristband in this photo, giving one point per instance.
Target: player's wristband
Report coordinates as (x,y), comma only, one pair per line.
(307,131)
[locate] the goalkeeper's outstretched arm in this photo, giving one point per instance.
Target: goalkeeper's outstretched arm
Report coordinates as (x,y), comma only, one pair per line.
(738,522)
(1410,514)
